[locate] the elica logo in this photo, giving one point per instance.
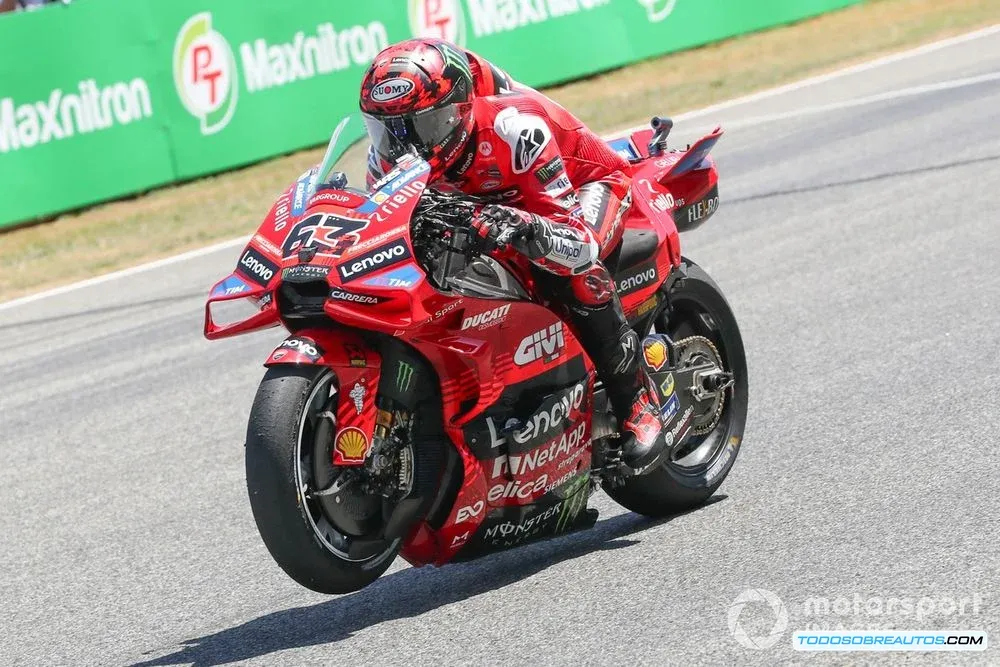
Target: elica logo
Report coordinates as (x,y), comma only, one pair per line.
(658,10)
(205,73)
(391,89)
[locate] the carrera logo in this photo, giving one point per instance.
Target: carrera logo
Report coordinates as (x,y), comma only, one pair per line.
(373,261)
(546,344)
(636,281)
(256,267)
(349,297)
(487,319)
(391,89)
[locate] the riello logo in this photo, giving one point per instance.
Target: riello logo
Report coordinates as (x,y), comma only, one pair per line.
(205,73)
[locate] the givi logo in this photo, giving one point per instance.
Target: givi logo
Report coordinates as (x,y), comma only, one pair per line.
(205,73)
(442,19)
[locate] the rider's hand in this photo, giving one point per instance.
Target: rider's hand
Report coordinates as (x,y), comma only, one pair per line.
(499,227)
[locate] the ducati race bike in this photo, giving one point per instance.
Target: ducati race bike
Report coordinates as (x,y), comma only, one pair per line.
(424,404)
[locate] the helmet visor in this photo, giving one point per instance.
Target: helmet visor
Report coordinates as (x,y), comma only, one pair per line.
(393,136)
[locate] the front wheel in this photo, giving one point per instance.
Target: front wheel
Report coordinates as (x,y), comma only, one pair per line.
(698,466)
(332,543)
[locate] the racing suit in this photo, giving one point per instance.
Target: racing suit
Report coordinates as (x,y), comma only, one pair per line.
(528,152)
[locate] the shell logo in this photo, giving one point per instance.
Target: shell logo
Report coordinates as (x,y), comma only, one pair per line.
(655,352)
(352,444)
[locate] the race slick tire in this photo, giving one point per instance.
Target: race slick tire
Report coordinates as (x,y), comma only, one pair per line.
(697,307)
(292,525)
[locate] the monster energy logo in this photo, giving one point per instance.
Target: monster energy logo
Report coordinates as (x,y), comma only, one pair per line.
(404,376)
(576,500)
(452,57)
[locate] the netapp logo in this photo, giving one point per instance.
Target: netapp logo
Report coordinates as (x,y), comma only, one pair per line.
(375,260)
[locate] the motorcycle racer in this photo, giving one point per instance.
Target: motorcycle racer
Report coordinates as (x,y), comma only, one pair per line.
(560,195)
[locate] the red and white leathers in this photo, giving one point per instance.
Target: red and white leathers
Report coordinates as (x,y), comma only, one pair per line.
(528,152)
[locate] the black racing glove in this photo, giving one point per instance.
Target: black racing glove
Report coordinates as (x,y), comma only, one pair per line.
(499,227)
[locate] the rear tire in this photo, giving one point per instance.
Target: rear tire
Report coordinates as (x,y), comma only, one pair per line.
(272,467)
(697,307)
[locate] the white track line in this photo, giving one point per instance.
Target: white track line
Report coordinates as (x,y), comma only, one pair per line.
(863,101)
(836,74)
(764,94)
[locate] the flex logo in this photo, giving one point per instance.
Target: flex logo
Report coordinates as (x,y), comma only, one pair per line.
(205,73)
(469,512)
(658,10)
(442,19)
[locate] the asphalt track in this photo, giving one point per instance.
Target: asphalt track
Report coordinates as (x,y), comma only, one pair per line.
(860,249)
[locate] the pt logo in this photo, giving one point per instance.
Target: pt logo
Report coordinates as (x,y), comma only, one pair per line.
(442,19)
(658,10)
(205,73)
(404,376)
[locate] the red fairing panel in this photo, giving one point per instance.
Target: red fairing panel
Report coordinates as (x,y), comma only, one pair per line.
(357,368)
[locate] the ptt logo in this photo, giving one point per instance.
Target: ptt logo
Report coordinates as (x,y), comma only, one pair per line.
(205,73)
(658,10)
(442,19)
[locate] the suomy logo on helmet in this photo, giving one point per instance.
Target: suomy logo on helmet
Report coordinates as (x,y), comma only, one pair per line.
(391,89)
(205,73)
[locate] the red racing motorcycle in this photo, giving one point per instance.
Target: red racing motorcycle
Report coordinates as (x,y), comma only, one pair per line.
(424,405)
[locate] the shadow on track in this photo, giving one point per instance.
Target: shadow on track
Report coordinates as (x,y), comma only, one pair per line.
(404,594)
(866,179)
(107,310)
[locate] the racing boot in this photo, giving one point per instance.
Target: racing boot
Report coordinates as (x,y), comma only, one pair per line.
(614,348)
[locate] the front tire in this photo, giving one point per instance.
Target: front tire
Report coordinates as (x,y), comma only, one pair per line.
(697,308)
(275,451)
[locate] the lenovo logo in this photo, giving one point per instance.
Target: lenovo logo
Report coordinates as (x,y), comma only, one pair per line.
(374,260)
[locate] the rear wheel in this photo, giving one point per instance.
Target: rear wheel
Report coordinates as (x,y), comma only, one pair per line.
(324,525)
(700,314)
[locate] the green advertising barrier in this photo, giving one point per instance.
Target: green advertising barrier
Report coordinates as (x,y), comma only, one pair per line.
(104,98)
